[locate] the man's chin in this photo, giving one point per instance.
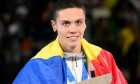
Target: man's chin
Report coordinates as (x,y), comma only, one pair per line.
(73,45)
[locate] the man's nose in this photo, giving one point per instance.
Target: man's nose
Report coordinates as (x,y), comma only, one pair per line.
(73,28)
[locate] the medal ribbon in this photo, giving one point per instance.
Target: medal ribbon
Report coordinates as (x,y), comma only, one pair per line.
(71,77)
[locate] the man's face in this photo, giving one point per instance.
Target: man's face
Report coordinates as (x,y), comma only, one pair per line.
(70,26)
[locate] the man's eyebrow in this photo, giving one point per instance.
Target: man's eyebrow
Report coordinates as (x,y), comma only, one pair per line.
(79,19)
(69,21)
(64,21)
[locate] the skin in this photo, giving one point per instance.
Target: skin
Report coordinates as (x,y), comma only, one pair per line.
(70,26)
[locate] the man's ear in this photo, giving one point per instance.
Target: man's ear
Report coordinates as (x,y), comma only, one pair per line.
(53,25)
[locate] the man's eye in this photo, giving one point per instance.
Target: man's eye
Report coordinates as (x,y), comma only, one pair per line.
(79,22)
(65,23)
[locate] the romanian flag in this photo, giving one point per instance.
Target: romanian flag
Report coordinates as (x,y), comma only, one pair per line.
(48,66)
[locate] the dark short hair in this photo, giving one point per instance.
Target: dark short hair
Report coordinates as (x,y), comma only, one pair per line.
(64,4)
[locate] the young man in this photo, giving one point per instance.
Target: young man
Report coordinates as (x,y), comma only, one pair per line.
(70,58)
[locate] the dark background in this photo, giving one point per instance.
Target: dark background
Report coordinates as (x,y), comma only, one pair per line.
(25,28)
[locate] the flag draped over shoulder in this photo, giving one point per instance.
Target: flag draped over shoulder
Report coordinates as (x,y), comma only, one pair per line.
(48,66)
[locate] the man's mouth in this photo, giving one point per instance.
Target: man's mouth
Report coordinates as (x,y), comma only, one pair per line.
(73,37)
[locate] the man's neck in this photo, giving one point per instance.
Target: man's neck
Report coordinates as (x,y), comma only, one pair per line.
(75,50)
